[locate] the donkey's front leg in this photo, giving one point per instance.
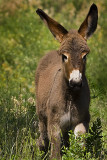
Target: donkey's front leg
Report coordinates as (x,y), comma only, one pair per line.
(54,134)
(81,128)
(54,137)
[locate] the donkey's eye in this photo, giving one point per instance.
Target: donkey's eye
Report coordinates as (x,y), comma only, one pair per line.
(64,58)
(84,58)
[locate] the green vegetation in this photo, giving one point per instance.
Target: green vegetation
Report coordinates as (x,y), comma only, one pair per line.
(93,149)
(24,39)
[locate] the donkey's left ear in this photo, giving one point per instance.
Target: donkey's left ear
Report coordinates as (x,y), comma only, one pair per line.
(56,29)
(89,25)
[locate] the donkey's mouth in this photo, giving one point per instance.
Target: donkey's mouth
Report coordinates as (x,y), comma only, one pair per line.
(75,86)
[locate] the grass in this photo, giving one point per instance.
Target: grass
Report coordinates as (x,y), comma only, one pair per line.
(23,41)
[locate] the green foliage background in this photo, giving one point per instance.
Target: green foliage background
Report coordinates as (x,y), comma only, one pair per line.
(24,39)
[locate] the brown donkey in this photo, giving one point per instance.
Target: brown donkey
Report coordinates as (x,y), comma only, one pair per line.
(62,92)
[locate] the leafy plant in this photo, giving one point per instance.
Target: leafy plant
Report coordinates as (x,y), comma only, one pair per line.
(93,148)
(94,139)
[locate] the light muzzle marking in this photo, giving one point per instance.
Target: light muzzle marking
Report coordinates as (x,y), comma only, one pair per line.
(75,76)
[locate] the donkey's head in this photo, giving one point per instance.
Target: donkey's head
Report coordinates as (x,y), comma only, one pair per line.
(73,47)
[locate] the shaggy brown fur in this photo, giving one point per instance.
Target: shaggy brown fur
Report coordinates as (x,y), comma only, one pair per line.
(63,102)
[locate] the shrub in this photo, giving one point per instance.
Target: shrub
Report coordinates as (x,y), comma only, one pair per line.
(94,145)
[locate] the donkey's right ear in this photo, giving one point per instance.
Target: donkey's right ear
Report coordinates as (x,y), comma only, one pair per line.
(56,29)
(89,25)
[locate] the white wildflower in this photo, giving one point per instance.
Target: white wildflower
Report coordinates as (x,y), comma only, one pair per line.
(31,100)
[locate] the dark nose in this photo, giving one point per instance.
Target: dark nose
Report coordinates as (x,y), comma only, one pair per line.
(75,84)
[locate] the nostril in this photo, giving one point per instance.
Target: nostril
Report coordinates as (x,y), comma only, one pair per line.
(71,83)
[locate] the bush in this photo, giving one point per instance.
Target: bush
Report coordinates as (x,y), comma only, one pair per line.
(94,145)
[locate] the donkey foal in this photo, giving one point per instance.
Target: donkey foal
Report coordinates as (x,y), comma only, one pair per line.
(62,92)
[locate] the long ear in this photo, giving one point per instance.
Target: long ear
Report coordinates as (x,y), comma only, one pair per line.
(56,29)
(89,25)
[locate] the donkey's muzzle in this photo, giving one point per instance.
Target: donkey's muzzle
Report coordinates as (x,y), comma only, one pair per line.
(75,85)
(75,80)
